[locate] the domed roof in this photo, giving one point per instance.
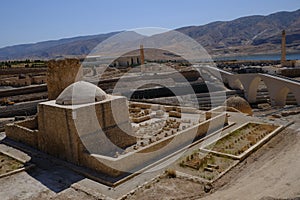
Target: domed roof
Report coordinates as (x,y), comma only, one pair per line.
(240,104)
(80,92)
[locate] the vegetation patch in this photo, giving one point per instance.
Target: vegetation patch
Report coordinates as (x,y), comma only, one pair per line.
(240,140)
(207,166)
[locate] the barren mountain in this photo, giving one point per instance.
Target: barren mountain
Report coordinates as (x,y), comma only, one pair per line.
(246,35)
(253,34)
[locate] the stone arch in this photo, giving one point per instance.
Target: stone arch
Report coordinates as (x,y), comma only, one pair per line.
(239,84)
(280,98)
(296,92)
(262,91)
(234,83)
(252,88)
(291,98)
(251,84)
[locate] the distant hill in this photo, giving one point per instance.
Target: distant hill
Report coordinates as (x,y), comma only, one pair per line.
(253,34)
(246,35)
(69,47)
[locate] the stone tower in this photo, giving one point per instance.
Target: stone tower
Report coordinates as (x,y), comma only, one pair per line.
(142,58)
(60,74)
(283,49)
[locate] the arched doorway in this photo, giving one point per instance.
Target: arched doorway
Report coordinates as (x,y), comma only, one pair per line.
(280,98)
(290,99)
(256,90)
(262,93)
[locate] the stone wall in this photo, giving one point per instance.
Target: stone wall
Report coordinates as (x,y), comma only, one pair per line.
(38,79)
(19,82)
(126,61)
(134,161)
(24,131)
(217,121)
(290,72)
(15,81)
(29,123)
(60,74)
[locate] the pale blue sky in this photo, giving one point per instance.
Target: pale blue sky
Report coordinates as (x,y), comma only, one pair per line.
(28,21)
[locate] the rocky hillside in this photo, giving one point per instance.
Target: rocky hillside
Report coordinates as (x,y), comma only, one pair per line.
(253,34)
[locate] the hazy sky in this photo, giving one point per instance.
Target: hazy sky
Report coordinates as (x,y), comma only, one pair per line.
(28,21)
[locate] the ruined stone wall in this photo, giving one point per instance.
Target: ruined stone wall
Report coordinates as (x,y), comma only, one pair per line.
(29,123)
(217,121)
(127,61)
(19,132)
(60,74)
(16,81)
(133,161)
(38,79)
(290,72)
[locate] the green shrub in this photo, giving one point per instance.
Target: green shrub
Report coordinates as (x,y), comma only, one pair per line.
(171,173)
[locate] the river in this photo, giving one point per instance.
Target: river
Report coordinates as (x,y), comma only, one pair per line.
(294,56)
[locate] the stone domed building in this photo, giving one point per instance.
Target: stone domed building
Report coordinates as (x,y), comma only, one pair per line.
(82,126)
(81,92)
(240,104)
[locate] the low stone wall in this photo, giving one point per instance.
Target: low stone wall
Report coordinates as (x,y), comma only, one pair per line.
(217,121)
(189,110)
(135,161)
(21,133)
(140,119)
(216,111)
(23,109)
(30,123)
(175,114)
(140,105)
(19,82)
(23,90)
(39,79)
(290,72)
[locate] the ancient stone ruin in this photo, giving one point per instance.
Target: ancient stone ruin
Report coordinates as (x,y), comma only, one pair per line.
(87,127)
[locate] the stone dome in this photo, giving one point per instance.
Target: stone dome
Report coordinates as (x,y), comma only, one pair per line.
(81,92)
(240,104)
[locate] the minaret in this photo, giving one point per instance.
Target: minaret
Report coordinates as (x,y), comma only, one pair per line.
(283,49)
(142,58)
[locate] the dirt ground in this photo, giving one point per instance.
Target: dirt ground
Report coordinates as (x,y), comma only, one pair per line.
(169,188)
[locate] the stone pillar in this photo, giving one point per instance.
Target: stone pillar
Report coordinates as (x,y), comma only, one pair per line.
(283,49)
(142,58)
(60,74)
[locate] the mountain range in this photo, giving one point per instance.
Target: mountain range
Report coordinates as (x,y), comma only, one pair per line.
(247,35)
